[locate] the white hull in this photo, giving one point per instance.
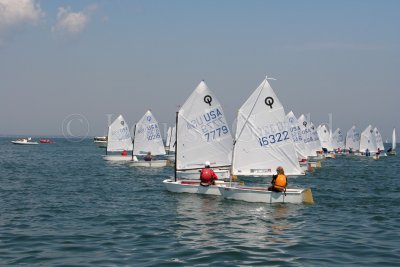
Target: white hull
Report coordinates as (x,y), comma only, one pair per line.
(193,187)
(261,194)
(195,174)
(391,153)
(24,143)
(101,143)
(117,158)
(151,164)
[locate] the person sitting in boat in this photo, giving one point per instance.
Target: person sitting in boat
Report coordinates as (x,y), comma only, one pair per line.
(378,152)
(124,153)
(148,157)
(207,175)
(367,153)
(390,150)
(279,181)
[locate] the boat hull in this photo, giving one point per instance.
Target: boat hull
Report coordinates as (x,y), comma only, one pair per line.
(261,194)
(117,158)
(150,164)
(193,187)
(24,143)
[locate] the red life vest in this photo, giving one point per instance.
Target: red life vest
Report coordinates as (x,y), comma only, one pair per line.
(124,153)
(207,175)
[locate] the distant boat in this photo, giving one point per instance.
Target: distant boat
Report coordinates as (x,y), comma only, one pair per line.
(119,140)
(101,141)
(147,138)
(24,141)
(46,141)
(392,151)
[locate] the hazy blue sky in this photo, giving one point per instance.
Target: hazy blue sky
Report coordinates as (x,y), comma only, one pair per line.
(94,58)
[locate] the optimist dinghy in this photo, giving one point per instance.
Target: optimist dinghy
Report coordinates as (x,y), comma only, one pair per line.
(392,151)
(262,143)
(148,139)
(202,135)
(119,140)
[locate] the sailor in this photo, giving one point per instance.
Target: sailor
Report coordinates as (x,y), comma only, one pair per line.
(207,175)
(367,153)
(279,181)
(148,157)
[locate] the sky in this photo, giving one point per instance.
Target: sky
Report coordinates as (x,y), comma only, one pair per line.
(69,67)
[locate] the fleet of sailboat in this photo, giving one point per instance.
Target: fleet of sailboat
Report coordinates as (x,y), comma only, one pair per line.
(265,138)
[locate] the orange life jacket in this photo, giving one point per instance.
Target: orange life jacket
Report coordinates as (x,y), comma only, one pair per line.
(280,181)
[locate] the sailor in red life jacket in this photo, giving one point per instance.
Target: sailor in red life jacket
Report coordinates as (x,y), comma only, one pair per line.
(124,153)
(207,175)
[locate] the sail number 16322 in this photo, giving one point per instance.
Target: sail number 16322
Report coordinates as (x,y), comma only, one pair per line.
(273,138)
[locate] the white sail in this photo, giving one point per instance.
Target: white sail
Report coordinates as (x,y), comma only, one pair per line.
(353,139)
(168,140)
(338,139)
(262,140)
(119,137)
(297,137)
(378,139)
(148,136)
(310,136)
(325,137)
(316,142)
(173,140)
(394,139)
(202,132)
(368,140)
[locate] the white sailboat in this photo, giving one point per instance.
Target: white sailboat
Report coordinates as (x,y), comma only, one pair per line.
(368,141)
(316,143)
(296,136)
(262,143)
(353,139)
(379,141)
(392,151)
(338,140)
(310,137)
(119,140)
(325,137)
(171,143)
(147,138)
(202,135)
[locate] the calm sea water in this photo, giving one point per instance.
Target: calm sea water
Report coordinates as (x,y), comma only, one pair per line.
(62,204)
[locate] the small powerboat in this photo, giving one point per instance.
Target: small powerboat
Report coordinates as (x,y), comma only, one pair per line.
(46,141)
(24,141)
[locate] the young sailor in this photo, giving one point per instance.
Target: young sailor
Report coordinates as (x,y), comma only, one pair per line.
(207,175)
(279,181)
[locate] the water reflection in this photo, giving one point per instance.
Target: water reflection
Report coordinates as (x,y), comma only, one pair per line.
(251,229)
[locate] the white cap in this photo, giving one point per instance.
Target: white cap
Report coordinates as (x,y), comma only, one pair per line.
(207,163)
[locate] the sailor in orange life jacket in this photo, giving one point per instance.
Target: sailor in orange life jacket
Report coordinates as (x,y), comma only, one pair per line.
(207,175)
(279,181)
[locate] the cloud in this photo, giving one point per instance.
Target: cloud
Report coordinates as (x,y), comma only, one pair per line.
(15,14)
(72,23)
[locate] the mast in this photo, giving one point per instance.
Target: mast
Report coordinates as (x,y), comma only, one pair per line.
(133,140)
(176,142)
